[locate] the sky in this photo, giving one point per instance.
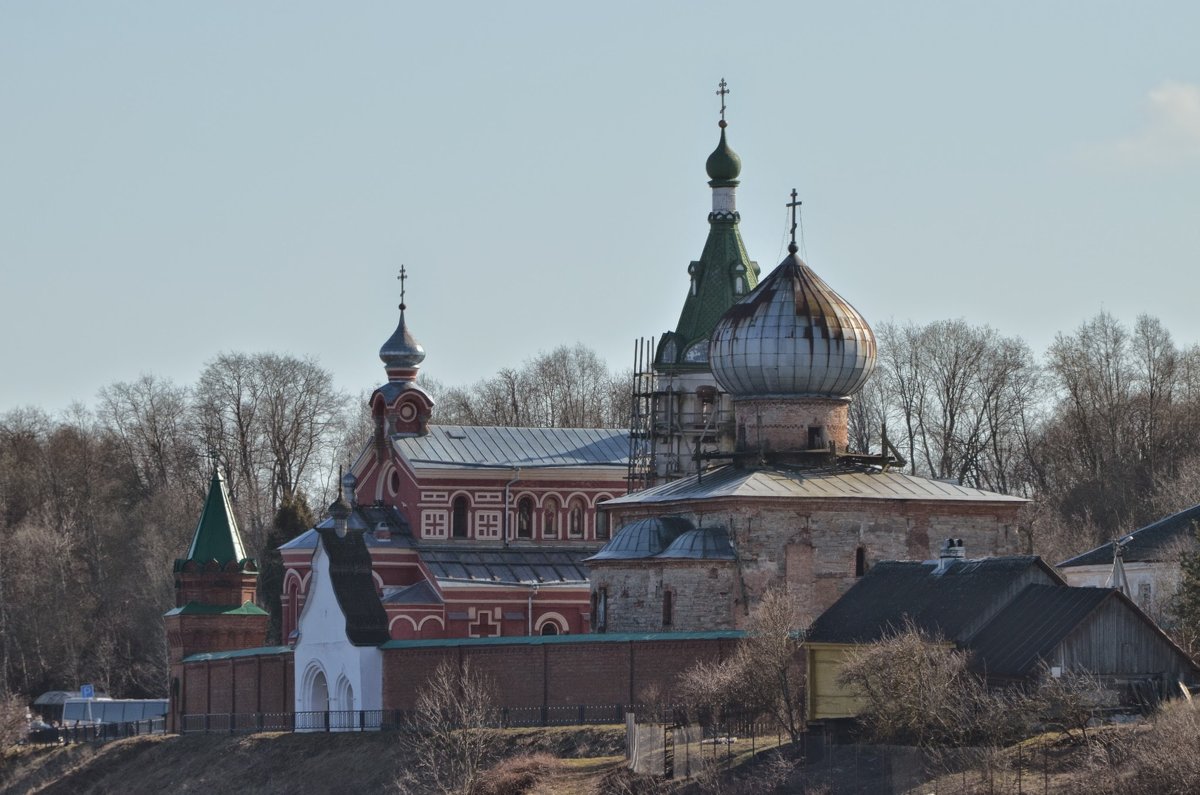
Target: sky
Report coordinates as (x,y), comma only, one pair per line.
(181,179)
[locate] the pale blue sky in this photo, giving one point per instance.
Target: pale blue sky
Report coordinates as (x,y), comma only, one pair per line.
(178,179)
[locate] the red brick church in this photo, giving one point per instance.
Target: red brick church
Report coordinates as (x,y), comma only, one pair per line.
(473,532)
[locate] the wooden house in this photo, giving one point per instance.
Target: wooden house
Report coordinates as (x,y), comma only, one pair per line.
(1015,615)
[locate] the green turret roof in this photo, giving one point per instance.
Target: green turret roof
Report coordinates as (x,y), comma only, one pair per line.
(217,537)
(723,274)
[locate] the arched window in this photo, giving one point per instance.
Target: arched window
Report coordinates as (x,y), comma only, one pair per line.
(575,519)
(462,509)
(602,522)
(550,518)
(525,517)
(600,609)
(860,562)
(549,628)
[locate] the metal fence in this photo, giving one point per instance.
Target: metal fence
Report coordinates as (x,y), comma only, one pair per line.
(664,743)
(818,762)
(394,720)
(96,733)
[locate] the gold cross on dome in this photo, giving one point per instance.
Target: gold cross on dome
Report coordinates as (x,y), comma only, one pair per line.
(722,90)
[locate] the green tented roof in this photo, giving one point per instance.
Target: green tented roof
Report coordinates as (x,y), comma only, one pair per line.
(217,537)
(197,609)
(716,272)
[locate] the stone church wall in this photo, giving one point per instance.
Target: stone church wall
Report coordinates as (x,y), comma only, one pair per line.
(812,549)
(703,595)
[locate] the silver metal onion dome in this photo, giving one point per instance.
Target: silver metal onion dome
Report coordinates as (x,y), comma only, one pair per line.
(792,336)
(401,349)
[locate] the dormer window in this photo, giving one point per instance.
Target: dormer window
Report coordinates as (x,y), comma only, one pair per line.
(739,279)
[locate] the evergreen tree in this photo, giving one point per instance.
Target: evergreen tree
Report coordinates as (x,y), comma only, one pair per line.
(293,518)
(1186,607)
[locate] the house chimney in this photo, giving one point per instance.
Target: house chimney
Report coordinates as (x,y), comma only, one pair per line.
(951,551)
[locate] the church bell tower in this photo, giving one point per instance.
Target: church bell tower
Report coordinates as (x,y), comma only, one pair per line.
(214,594)
(680,410)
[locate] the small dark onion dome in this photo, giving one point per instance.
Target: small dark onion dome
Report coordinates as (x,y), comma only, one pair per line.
(401,350)
(705,543)
(792,336)
(643,538)
(723,165)
(339,509)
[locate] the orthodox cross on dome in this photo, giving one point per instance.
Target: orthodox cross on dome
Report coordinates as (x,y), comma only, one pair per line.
(793,205)
(403,275)
(722,90)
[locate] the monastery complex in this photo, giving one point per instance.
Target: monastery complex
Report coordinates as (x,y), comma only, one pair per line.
(586,563)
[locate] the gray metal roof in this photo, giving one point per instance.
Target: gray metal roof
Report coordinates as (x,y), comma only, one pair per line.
(507,566)
(705,543)
(1162,540)
(419,593)
(784,483)
(365,519)
(486,446)
(643,538)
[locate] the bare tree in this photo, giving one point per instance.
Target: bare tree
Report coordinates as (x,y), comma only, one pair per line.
(568,387)
(762,676)
(453,738)
(916,688)
(275,422)
(150,420)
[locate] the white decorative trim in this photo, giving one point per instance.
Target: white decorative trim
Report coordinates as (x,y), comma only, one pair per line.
(439,619)
(557,618)
(435,523)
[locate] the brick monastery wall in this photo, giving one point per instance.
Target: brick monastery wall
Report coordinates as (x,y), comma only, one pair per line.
(559,674)
(810,548)
(526,674)
(243,684)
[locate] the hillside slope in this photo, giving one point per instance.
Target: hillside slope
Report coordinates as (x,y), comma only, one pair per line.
(262,763)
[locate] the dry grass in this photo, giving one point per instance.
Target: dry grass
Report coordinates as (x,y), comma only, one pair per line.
(262,763)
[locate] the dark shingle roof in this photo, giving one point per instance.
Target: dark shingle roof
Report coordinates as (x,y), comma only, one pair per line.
(354,587)
(1154,542)
(953,604)
(1027,630)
